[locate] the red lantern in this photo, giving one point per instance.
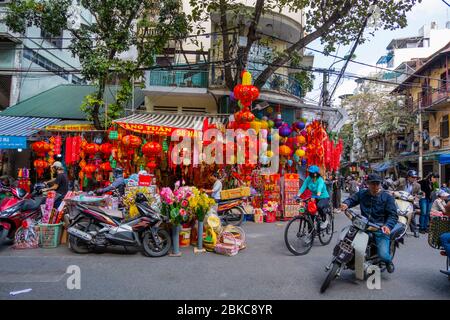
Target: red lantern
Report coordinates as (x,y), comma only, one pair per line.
(151,166)
(247,116)
(91,148)
(106,167)
(40,166)
(89,169)
(131,141)
(151,149)
(106,148)
(41,148)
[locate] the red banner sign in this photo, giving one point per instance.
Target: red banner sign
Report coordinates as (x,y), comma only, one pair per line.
(159,130)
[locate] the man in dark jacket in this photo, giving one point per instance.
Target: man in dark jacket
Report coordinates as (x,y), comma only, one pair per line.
(379,207)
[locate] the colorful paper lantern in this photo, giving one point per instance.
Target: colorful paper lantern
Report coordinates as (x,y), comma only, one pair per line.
(41,148)
(285,131)
(106,167)
(256,125)
(89,169)
(40,166)
(131,141)
(300,153)
(91,148)
(285,151)
(301,140)
(151,149)
(106,148)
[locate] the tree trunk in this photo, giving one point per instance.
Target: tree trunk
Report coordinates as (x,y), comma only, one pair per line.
(96,108)
(287,54)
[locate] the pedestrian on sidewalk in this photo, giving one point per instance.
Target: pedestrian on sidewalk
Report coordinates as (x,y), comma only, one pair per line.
(426,202)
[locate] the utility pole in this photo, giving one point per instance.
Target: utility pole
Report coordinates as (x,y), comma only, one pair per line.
(325,93)
(420,143)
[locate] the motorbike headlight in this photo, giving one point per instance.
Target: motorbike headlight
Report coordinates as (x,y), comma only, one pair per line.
(359,223)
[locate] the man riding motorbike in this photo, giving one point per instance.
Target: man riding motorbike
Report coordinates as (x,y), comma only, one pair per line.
(119,183)
(379,207)
(409,184)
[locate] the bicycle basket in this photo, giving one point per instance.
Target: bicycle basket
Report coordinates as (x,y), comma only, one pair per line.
(438,226)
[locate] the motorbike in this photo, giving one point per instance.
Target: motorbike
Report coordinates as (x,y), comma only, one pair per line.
(406,210)
(94,227)
(232,211)
(357,249)
(16,209)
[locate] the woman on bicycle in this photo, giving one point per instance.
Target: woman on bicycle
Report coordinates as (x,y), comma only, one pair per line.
(316,184)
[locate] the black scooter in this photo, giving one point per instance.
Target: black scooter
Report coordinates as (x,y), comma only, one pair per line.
(97,228)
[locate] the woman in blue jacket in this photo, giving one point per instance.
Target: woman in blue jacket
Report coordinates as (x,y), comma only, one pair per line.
(316,184)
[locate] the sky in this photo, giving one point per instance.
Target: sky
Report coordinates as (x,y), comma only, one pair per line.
(369,52)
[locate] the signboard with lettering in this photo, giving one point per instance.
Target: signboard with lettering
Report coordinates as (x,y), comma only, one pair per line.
(291,187)
(11,142)
(159,130)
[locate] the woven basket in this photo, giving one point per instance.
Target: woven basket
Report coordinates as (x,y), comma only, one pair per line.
(227,245)
(238,233)
(438,226)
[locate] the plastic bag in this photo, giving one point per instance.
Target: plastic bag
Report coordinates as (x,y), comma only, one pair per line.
(27,236)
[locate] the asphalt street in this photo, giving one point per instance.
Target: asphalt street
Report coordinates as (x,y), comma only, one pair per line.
(264,270)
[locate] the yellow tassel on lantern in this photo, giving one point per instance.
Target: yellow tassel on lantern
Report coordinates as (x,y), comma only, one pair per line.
(247,78)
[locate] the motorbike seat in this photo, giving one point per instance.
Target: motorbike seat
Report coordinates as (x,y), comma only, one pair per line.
(145,209)
(29,205)
(109,212)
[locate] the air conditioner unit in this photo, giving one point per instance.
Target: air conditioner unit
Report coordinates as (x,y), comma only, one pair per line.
(436,142)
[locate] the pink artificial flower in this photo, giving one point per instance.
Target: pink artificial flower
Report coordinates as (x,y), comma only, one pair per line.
(184,203)
(183,212)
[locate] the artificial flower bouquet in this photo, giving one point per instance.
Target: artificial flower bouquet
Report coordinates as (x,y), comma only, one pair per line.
(175,204)
(200,204)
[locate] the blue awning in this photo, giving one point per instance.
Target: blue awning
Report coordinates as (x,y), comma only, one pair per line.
(380,167)
(444,158)
(23,126)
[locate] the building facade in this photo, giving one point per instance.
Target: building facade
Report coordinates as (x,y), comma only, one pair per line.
(200,86)
(34,61)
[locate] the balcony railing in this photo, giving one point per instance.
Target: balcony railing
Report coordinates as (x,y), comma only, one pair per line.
(277,82)
(434,98)
(178,78)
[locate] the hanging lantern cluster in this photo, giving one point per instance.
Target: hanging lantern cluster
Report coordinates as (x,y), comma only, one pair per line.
(41,148)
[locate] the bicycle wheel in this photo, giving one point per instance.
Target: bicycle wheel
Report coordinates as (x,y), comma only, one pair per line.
(299,235)
(326,234)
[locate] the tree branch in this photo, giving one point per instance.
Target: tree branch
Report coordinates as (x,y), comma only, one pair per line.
(286,56)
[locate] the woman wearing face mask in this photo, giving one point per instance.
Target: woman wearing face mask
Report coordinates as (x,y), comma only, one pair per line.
(316,184)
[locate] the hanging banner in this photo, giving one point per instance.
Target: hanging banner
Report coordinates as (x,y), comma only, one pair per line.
(159,130)
(10,142)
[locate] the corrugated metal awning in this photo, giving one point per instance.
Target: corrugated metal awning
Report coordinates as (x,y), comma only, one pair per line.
(23,126)
(179,121)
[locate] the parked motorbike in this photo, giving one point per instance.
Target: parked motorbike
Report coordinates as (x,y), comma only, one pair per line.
(97,228)
(16,209)
(357,249)
(406,211)
(232,211)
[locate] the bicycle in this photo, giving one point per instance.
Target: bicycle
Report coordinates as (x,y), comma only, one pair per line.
(304,227)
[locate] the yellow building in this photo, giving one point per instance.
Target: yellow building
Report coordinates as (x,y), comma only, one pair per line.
(427,92)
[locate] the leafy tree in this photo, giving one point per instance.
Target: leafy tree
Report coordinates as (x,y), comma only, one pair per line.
(333,21)
(374,113)
(119,26)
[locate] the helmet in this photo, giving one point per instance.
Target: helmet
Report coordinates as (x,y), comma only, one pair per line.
(313,169)
(412,173)
(141,198)
(57,165)
(118,172)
